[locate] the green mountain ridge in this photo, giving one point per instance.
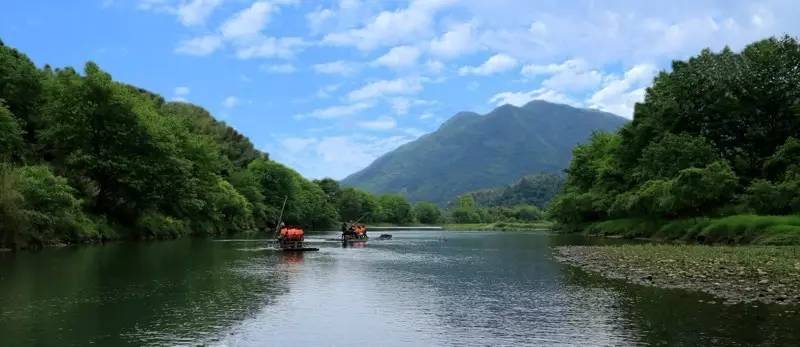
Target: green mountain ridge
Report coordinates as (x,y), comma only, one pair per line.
(471,152)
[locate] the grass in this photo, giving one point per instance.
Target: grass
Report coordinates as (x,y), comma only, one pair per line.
(500,226)
(736,229)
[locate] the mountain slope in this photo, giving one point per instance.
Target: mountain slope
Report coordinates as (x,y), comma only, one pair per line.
(471,152)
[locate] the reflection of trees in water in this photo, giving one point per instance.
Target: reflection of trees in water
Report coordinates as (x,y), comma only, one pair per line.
(135,293)
(492,289)
(677,317)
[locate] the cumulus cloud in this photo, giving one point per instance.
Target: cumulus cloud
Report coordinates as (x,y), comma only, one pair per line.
(203,45)
(249,21)
(522,98)
(392,27)
(399,57)
(400,86)
(495,64)
(318,18)
(351,153)
(231,102)
(195,12)
(620,94)
(339,67)
(325,92)
(270,47)
(278,68)
(243,32)
(337,111)
(458,40)
(573,75)
(383,123)
(434,66)
(297,144)
(180,93)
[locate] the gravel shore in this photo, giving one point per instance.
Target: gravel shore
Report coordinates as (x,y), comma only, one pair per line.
(733,274)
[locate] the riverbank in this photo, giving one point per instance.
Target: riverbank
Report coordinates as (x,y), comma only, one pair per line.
(500,226)
(736,229)
(737,274)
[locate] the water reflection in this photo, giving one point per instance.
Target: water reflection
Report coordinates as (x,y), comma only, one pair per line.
(420,288)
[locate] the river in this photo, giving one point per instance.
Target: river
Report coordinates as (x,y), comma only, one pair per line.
(421,288)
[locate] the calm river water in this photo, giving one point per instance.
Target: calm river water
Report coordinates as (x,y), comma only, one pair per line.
(421,288)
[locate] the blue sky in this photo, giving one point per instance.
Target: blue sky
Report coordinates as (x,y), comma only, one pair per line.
(328,86)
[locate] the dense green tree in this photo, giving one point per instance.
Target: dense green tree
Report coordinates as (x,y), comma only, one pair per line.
(535,190)
(666,157)
(427,212)
(354,204)
(39,207)
(785,159)
(396,209)
(20,86)
(10,134)
(713,133)
(330,187)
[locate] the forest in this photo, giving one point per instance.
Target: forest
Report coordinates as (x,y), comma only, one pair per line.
(84,158)
(712,154)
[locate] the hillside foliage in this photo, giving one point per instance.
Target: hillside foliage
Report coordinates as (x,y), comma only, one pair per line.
(715,136)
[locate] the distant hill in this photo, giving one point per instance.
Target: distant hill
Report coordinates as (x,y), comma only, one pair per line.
(471,152)
(535,190)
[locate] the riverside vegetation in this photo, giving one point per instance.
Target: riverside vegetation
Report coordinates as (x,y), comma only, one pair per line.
(712,156)
(85,159)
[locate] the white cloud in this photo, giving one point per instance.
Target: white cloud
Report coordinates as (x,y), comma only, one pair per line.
(242,31)
(195,12)
(153,5)
(338,111)
(248,22)
(317,19)
(278,68)
(325,92)
(573,75)
(231,102)
(399,57)
(401,105)
(338,67)
(388,28)
(182,91)
(342,155)
(434,66)
(203,45)
(383,123)
(426,115)
(400,86)
(538,28)
(619,95)
(495,64)
(270,47)
(457,41)
(297,144)
(522,98)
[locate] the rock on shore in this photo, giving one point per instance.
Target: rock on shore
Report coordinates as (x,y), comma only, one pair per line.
(734,274)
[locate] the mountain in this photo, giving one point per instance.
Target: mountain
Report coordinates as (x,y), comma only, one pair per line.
(471,151)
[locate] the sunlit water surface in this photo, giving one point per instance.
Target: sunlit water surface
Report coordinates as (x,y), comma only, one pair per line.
(420,288)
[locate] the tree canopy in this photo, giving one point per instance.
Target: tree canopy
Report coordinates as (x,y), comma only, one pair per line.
(714,136)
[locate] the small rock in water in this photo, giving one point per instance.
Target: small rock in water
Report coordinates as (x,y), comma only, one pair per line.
(764,281)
